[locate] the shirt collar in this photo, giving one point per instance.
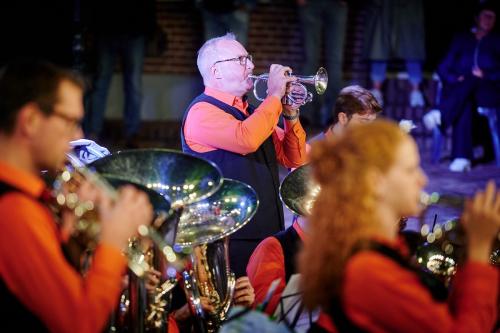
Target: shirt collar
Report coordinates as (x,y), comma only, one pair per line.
(22,180)
(238,102)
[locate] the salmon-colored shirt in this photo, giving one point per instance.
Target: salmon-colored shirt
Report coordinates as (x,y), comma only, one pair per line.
(34,269)
(381,296)
(208,128)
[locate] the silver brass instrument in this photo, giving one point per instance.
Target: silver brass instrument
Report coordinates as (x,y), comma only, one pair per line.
(298,191)
(298,93)
(87,226)
(444,246)
(205,226)
(182,179)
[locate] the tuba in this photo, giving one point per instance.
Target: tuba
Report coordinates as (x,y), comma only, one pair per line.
(183,180)
(297,91)
(204,227)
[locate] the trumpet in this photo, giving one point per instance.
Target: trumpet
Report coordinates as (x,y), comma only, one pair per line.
(298,93)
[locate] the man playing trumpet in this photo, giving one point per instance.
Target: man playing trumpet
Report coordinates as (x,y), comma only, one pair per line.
(245,142)
(40,113)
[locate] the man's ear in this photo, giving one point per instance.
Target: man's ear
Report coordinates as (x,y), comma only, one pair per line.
(215,73)
(343,119)
(28,119)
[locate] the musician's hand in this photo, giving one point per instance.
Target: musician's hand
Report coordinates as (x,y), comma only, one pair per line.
(300,97)
(291,111)
(120,219)
(184,312)
(244,294)
(481,221)
(152,281)
(86,192)
(278,80)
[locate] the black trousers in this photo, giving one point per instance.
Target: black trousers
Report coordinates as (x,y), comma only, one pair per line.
(459,102)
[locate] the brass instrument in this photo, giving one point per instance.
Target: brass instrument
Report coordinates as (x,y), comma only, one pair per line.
(182,179)
(87,227)
(298,191)
(444,246)
(205,227)
(298,93)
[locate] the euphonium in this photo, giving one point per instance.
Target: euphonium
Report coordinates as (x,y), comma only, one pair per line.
(204,227)
(86,228)
(211,279)
(297,92)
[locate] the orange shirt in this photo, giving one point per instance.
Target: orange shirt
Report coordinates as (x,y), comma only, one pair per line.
(267,264)
(34,269)
(381,296)
(208,128)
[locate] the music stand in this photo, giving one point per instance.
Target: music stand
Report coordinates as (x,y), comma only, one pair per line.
(291,310)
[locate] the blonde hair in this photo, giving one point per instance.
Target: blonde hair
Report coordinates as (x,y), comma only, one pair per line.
(343,213)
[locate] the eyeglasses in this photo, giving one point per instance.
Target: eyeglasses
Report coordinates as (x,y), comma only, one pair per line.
(242,59)
(73,122)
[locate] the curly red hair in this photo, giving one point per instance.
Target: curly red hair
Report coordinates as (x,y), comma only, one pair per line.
(343,213)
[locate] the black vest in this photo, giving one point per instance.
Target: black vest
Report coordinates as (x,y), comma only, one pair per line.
(290,244)
(258,169)
(15,317)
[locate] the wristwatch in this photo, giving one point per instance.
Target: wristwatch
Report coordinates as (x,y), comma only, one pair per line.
(287,117)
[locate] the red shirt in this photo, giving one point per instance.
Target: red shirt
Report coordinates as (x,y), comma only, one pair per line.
(208,128)
(267,264)
(34,269)
(381,296)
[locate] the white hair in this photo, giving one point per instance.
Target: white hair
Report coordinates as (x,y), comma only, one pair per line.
(208,53)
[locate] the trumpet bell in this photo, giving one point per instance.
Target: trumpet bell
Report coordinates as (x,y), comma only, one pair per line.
(321,81)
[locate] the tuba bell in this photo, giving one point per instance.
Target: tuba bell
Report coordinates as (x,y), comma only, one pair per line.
(204,227)
(297,91)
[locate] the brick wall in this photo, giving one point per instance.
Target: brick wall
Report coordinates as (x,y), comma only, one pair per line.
(274,37)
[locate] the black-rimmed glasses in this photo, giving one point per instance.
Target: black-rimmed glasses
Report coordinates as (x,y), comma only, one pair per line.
(242,59)
(73,122)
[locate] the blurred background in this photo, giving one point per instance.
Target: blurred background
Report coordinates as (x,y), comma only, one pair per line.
(66,32)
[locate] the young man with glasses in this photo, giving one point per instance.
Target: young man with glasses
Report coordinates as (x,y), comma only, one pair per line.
(40,111)
(245,142)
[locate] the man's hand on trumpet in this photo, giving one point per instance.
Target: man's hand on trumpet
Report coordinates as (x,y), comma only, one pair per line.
(278,80)
(291,111)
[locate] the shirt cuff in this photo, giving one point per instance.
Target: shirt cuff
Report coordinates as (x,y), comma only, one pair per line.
(295,127)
